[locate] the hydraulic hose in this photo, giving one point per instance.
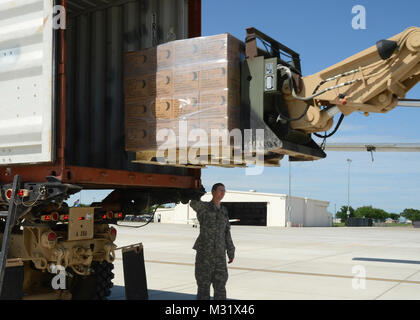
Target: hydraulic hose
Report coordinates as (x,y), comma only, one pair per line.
(294,119)
(334,131)
(289,75)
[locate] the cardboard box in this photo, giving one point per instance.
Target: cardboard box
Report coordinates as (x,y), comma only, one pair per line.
(186,79)
(149,61)
(140,135)
(166,109)
(165,56)
(188,105)
(143,62)
(219,76)
(187,52)
(141,108)
(195,80)
(222,46)
(221,104)
(143,135)
(143,86)
(164,83)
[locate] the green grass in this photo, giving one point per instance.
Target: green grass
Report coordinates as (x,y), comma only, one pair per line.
(384,225)
(342,224)
(390,225)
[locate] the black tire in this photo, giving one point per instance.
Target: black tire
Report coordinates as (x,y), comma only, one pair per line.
(96,286)
(104,277)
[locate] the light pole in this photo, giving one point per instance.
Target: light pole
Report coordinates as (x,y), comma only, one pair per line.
(289,202)
(348,190)
(289,207)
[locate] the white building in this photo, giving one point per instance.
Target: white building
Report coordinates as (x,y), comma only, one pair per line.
(254,208)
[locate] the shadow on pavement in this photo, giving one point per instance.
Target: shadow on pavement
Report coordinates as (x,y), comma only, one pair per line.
(118,293)
(387,260)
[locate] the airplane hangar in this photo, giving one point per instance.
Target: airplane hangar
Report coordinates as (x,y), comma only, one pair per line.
(257,209)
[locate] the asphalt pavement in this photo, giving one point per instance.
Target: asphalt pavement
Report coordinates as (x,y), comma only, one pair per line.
(275,263)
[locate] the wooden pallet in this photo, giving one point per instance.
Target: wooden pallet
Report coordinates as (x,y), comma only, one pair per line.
(204,159)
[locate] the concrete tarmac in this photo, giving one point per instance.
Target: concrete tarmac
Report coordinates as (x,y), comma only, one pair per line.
(283,264)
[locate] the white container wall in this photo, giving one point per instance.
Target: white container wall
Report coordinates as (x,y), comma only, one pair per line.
(26,81)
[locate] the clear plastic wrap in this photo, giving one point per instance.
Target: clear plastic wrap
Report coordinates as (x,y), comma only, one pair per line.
(195,82)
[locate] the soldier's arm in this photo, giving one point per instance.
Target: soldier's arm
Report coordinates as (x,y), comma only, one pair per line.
(198,207)
(229,243)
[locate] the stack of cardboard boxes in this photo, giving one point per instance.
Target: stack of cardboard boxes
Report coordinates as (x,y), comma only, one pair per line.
(194,80)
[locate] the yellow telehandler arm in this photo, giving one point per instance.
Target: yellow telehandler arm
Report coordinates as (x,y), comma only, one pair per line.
(373,80)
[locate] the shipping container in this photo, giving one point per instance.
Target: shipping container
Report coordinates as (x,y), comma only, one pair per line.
(62,90)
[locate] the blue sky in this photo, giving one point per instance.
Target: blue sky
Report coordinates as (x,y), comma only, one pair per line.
(322,33)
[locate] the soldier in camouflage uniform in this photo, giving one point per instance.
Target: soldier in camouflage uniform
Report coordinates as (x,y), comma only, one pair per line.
(211,245)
